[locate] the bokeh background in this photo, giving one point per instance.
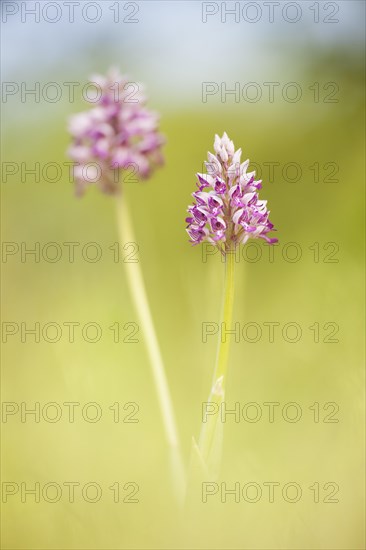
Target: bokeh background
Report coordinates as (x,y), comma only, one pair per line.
(174,52)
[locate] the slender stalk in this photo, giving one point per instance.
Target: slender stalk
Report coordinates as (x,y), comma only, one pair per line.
(227,313)
(138,292)
(210,442)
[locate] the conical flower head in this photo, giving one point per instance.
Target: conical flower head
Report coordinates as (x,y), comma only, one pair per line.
(118,132)
(227,210)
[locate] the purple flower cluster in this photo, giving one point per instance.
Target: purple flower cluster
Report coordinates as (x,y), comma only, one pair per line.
(118,132)
(227,210)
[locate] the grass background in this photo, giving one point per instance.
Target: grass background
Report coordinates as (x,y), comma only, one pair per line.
(184,292)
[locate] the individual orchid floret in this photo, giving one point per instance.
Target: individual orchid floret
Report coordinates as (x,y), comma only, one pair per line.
(117,133)
(227,210)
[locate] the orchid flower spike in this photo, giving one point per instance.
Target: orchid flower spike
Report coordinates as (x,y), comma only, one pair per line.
(118,132)
(227,210)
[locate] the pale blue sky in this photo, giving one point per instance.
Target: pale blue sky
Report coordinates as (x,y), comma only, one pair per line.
(170,48)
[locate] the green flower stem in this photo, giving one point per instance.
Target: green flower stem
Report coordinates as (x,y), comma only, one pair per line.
(210,442)
(138,292)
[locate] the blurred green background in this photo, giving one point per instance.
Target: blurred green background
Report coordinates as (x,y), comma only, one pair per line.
(184,292)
